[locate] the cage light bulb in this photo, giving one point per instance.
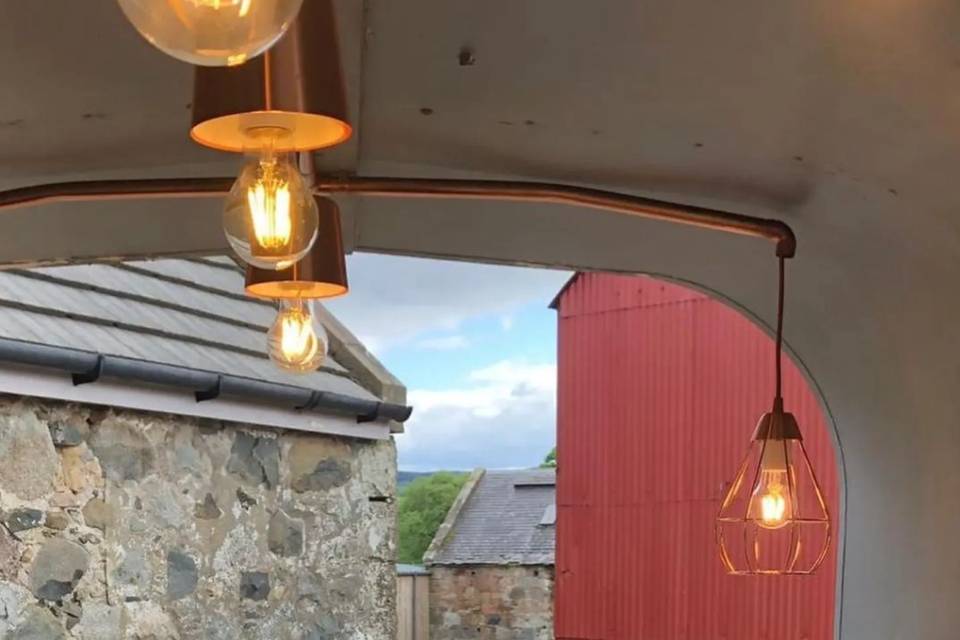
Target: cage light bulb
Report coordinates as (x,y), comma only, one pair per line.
(270,217)
(297,341)
(211,32)
(772,500)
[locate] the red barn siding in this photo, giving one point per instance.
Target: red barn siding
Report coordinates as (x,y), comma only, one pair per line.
(659,390)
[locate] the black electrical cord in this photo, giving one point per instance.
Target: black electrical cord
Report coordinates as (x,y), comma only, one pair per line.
(778,399)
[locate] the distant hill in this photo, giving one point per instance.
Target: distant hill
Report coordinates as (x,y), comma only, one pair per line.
(406,477)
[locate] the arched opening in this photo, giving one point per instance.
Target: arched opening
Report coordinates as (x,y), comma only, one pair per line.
(659,388)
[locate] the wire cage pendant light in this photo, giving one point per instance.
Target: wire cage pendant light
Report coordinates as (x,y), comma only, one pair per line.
(773,519)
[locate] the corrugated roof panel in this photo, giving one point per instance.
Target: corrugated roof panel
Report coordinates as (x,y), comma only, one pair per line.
(623,292)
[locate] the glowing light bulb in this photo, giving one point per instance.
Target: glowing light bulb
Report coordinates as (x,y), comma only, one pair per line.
(270,217)
(269,202)
(243,6)
(297,341)
(773,519)
(772,500)
(212,33)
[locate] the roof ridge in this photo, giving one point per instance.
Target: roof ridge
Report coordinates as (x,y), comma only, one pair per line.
(125,295)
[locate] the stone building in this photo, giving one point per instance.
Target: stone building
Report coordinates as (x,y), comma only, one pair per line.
(161,480)
(492,560)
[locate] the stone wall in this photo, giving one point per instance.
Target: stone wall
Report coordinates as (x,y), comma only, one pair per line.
(125,525)
(491,603)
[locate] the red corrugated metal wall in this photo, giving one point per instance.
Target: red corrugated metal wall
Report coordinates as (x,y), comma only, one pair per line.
(660,388)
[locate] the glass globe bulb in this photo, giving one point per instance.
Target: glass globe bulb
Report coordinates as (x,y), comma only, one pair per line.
(297,341)
(212,33)
(270,216)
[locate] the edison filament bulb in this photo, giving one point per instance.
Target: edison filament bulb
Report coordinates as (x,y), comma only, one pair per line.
(211,33)
(771,504)
(270,217)
(297,341)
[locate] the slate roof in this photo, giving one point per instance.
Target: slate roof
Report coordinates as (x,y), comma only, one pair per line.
(183,312)
(500,523)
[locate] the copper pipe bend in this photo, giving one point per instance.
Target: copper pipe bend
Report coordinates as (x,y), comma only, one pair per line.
(767,228)
(98,190)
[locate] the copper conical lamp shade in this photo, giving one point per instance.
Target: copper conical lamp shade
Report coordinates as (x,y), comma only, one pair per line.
(295,88)
(321,274)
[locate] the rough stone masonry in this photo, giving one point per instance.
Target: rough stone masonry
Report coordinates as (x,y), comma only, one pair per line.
(491,602)
(119,525)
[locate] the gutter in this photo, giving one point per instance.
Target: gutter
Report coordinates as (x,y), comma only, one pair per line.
(87,367)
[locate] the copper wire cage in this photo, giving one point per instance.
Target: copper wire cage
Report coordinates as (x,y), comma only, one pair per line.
(753,541)
(773,519)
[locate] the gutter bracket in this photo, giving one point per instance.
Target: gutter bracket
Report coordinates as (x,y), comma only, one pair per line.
(209,394)
(311,402)
(371,416)
(89,376)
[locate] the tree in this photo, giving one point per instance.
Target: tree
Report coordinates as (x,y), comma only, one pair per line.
(550,461)
(421,509)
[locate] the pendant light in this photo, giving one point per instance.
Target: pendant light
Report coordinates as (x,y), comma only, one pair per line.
(774,519)
(322,273)
(297,341)
(211,32)
(286,101)
(270,217)
(292,95)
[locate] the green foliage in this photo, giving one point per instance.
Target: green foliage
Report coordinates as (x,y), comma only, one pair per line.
(421,509)
(550,461)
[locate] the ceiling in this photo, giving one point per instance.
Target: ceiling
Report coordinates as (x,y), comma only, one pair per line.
(841,118)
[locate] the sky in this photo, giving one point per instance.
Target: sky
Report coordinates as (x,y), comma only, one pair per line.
(475,346)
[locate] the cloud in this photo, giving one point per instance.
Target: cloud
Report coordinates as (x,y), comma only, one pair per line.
(396,300)
(443,343)
(495,416)
(502,417)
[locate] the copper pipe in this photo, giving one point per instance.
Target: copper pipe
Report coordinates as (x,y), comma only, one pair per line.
(98,190)
(516,191)
(767,228)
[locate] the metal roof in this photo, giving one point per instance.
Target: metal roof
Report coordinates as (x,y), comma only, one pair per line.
(184,313)
(500,522)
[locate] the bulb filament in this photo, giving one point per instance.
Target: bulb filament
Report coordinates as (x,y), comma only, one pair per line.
(775,509)
(298,341)
(216,5)
(269,202)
